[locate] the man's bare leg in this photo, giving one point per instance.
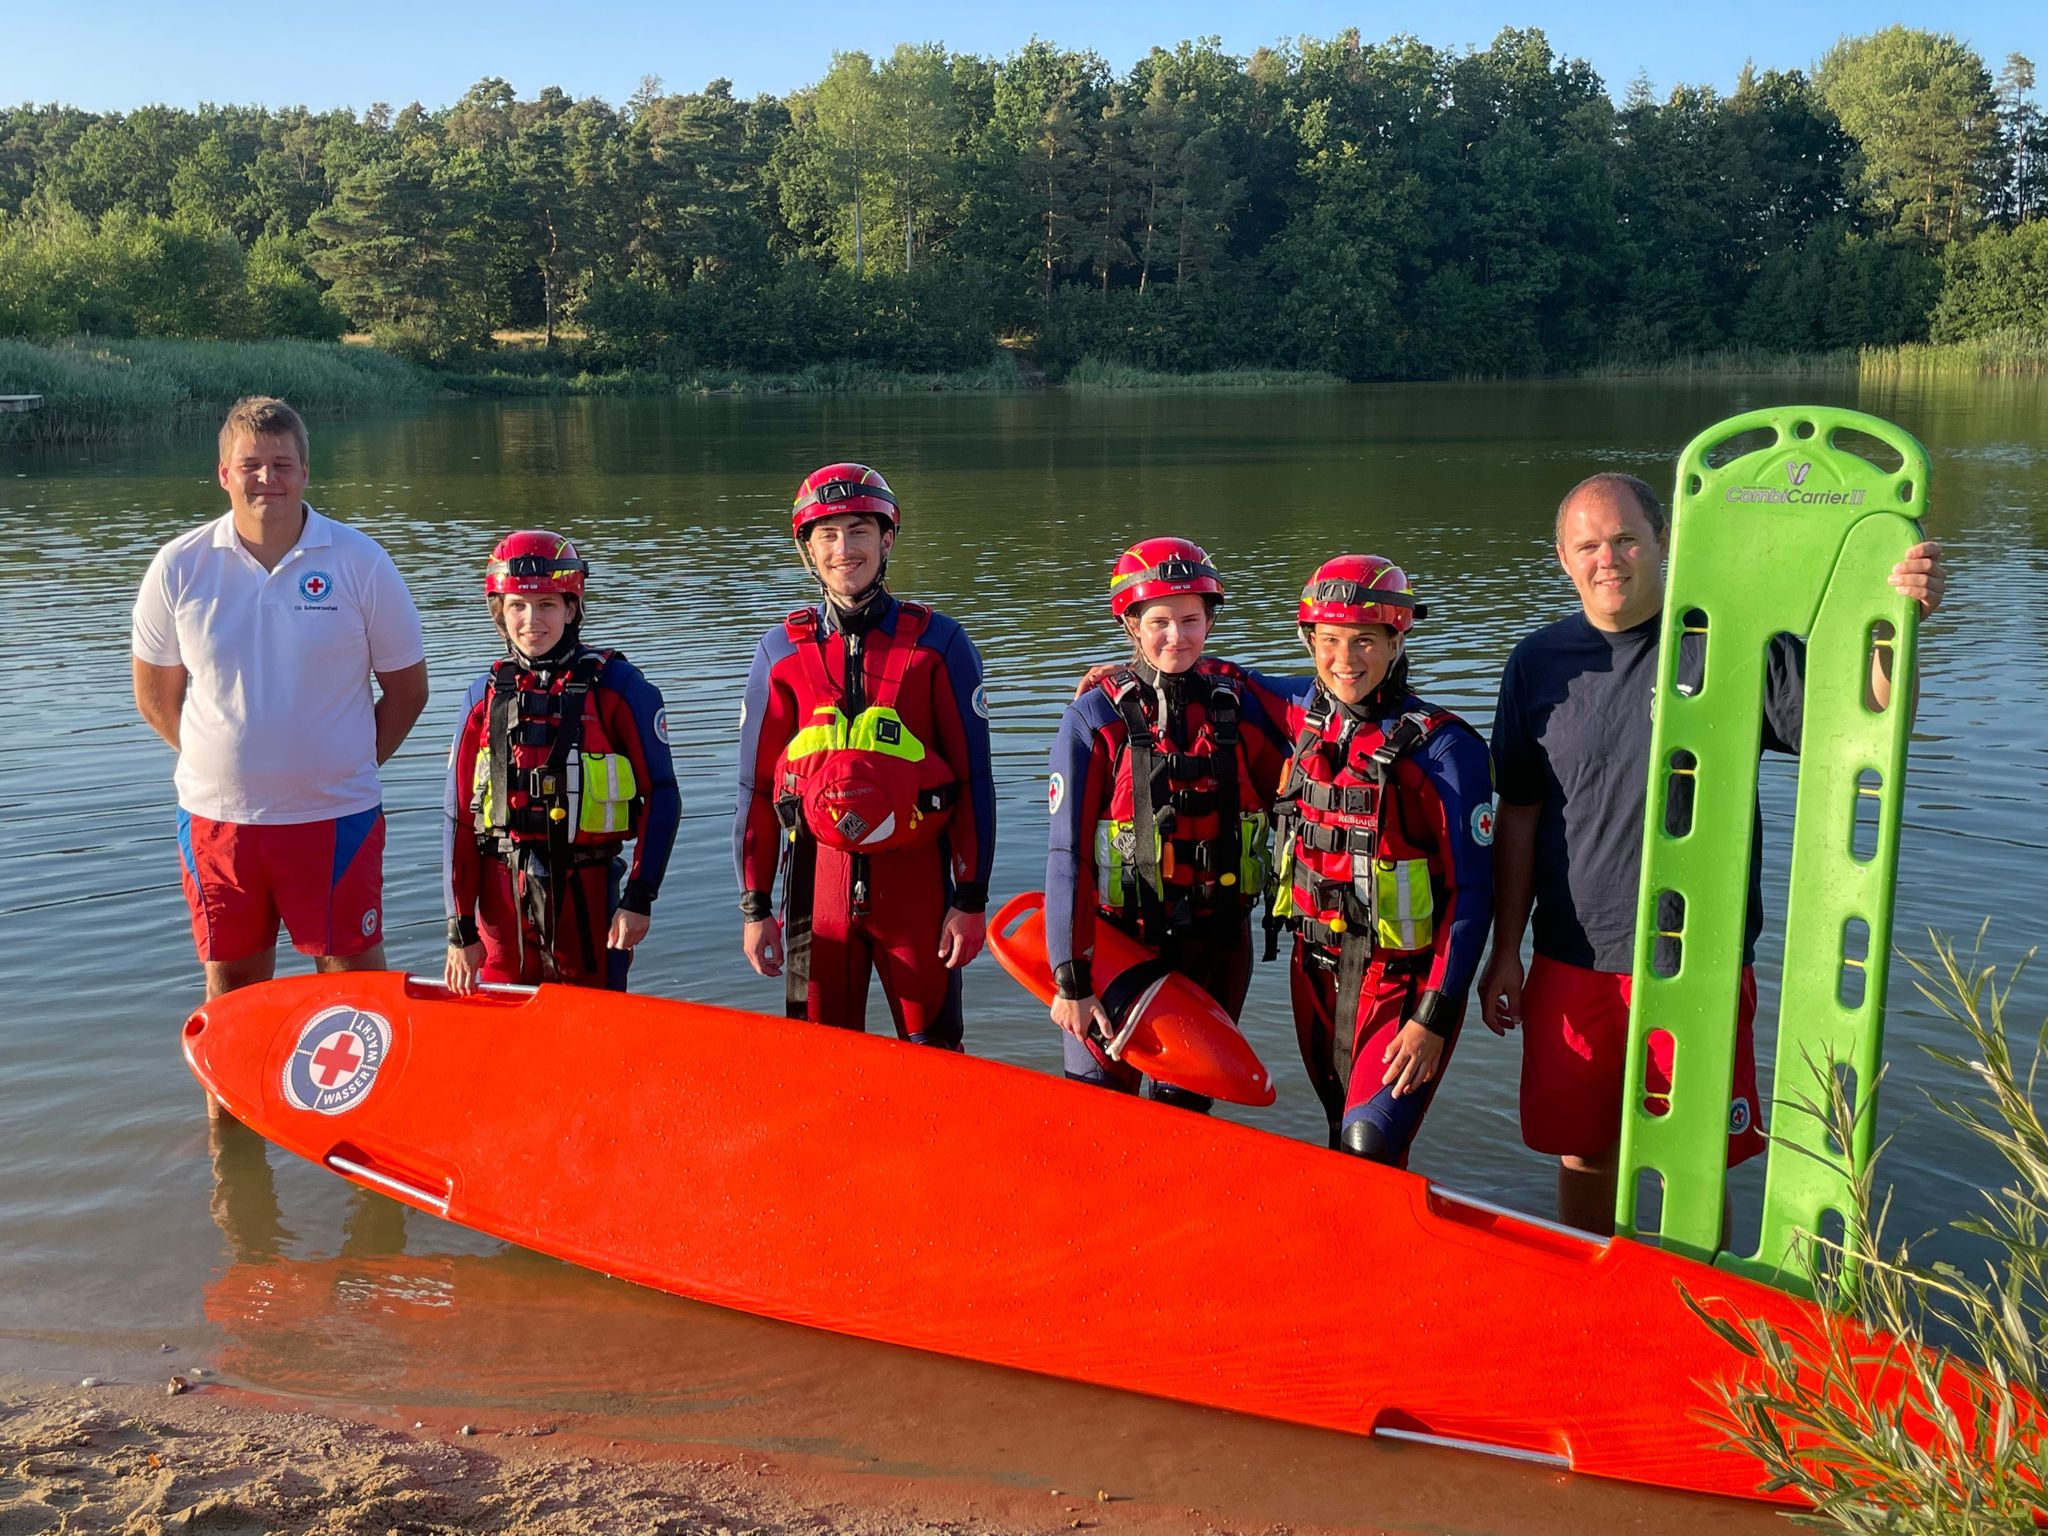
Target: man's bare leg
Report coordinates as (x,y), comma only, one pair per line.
(1585,1193)
(224,976)
(1585,1196)
(371,959)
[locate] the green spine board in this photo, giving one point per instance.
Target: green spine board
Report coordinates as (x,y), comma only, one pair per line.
(1755,569)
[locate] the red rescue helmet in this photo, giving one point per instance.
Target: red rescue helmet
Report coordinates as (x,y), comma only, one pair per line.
(535,560)
(841,488)
(1162,568)
(1360,589)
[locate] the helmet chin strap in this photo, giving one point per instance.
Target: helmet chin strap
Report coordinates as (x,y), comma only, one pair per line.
(865,596)
(1386,693)
(560,651)
(860,599)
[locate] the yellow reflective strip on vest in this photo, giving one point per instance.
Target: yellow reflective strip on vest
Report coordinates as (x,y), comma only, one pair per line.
(1252,853)
(1109,864)
(608,791)
(1406,904)
(881,730)
(1280,902)
(480,786)
(813,739)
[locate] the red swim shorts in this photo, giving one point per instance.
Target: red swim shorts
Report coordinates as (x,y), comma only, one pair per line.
(323,879)
(1574,1050)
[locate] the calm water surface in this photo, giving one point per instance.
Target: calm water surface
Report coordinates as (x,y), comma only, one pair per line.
(1015,507)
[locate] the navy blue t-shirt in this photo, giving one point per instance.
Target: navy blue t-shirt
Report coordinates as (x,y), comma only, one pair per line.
(1572,735)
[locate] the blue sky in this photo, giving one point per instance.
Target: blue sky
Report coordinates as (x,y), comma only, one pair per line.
(118,54)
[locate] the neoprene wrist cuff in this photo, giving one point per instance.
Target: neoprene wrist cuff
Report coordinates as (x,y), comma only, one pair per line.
(1430,1013)
(1073,980)
(970,897)
(756,905)
(462,932)
(637,898)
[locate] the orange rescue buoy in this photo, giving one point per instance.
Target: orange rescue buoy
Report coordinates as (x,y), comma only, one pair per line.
(1166,1026)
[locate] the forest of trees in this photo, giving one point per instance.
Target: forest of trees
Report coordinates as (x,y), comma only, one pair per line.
(1389,210)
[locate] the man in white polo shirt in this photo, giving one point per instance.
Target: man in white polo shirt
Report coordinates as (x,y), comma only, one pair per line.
(255,640)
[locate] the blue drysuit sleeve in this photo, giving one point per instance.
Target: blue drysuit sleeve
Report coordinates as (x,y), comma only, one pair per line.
(664,809)
(974,854)
(1069,860)
(1455,762)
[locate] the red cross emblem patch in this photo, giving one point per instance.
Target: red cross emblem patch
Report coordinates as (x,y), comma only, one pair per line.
(336,1059)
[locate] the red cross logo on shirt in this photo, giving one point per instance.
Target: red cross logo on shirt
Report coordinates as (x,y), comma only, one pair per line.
(338,1057)
(315,586)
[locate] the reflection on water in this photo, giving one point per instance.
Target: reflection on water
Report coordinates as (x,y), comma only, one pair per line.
(512,1340)
(1015,508)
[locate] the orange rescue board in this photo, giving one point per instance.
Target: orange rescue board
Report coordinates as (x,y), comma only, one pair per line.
(978,1209)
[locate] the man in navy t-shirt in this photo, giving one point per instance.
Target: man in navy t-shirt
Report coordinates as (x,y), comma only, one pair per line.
(1571,747)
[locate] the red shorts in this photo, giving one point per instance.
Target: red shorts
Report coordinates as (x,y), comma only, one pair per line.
(1574,1052)
(323,879)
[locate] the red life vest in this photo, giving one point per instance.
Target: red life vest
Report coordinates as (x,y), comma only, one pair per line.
(547,772)
(864,773)
(1349,872)
(1184,835)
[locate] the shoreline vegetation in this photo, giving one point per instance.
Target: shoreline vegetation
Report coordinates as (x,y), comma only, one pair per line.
(1985,1325)
(97,389)
(1329,207)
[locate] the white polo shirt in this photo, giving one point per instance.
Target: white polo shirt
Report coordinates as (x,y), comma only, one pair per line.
(278,723)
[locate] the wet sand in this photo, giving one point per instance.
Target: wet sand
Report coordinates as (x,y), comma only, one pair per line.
(125,1456)
(130,1459)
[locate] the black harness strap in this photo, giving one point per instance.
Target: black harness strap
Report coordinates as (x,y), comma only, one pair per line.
(537,880)
(505,715)
(1142,745)
(1286,813)
(799,876)
(1223,726)
(800,851)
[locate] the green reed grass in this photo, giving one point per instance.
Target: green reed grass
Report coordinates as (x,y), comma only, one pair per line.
(1729,362)
(1094,373)
(834,378)
(1980,1460)
(2008,353)
(95,389)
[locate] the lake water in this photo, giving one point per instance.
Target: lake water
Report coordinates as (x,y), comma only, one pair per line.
(1015,507)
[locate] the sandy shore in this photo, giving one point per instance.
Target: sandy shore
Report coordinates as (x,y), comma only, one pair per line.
(126,1458)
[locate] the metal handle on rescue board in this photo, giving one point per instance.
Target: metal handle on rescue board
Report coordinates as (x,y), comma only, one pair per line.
(390,1183)
(500,988)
